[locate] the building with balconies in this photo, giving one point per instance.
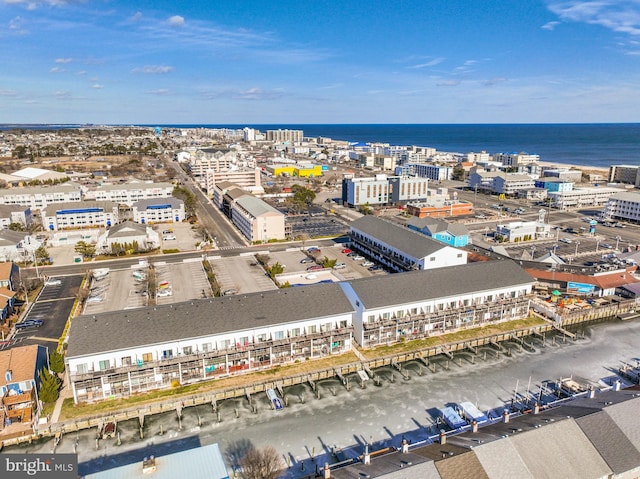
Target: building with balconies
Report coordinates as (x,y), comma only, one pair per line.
(87,214)
(581,197)
(623,206)
(424,303)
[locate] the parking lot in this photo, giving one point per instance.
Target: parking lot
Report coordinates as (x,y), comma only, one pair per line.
(128,288)
(240,274)
(53,308)
(322,226)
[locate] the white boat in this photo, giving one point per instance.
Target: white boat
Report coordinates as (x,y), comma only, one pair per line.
(275,400)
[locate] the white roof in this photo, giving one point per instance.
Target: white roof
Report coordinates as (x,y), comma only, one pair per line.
(30,173)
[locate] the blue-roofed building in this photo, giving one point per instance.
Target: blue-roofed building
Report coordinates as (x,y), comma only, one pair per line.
(205,461)
(554,184)
(158,210)
(82,214)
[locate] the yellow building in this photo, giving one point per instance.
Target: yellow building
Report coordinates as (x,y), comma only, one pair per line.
(301,171)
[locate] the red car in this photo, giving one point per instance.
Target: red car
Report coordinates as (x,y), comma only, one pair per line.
(346,251)
(315,267)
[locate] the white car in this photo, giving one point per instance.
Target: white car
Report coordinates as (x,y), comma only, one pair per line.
(169,237)
(357,257)
(366,264)
(53,282)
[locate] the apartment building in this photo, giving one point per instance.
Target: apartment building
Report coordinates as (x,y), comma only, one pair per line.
(516,159)
(130,193)
(426,170)
(117,354)
(384,190)
(87,214)
(399,248)
(39,197)
(623,206)
(258,221)
(580,197)
(246,178)
(628,174)
(158,210)
(284,136)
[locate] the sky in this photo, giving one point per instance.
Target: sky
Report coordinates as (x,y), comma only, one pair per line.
(321,61)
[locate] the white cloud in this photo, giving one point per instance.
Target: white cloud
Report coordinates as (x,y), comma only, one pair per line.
(159,92)
(97,86)
(176,21)
(550,25)
(8,93)
(63,60)
(430,63)
(493,81)
(153,69)
(57,70)
(136,17)
(622,16)
(448,83)
(32,5)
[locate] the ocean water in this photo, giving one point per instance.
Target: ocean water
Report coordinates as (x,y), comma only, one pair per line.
(597,145)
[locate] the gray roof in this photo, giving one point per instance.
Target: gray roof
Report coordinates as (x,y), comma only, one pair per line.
(127,228)
(501,460)
(235,193)
(390,466)
(435,225)
(403,288)
(627,196)
(11,238)
(6,210)
(41,190)
(135,186)
(144,204)
(610,441)
(559,449)
(411,243)
(117,330)
(256,206)
(51,208)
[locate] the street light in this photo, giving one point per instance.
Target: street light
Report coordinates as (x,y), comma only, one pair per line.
(618,238)
(597,244)
(576,252)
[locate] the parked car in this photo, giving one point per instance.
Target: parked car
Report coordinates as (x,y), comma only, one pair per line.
(366,264)
(229,292)
(169,237)
(53,282)
(566,240)
(315,267)
(357,257)
(375,267)
(346,251)
(29,323)
(607,246)
(313,249)
(306,260)
(339,266)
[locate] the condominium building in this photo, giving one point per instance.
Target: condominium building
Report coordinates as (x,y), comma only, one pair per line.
(580,197)
(159,210)
(383,189)
(130,193)
(246,178)
(623,206)
(118,354)
(399,248)
(284,136)
(215,159)
(39,197)
(426,170)
(257,220)
(87,214)
(516,159)
(628,174)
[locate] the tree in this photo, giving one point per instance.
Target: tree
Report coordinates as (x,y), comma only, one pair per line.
(49,386)
(302,197)
(85,249)
(188,197)
(56,362)
(16,227)
(263,463)
(42,255)
(458,173)
(328,263)
(275,270)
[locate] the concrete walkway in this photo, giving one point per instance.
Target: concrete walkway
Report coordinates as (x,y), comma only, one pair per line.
(65,393)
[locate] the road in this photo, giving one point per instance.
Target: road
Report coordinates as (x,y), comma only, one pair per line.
(217,225)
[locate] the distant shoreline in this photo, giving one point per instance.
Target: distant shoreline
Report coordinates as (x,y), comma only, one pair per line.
(599,169)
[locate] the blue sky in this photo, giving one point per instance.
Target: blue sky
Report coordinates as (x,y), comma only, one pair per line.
(322,61)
